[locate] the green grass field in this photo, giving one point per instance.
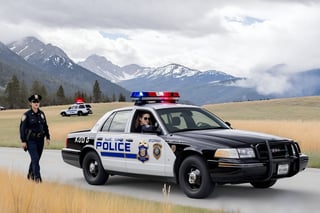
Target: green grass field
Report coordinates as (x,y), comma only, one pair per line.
(296,118)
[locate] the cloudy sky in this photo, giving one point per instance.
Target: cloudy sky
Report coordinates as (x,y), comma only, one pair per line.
(239,37)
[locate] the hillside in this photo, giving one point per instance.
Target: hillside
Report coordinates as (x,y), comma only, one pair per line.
(31,59)
(304,108)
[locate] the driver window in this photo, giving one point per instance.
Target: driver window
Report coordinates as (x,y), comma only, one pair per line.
(141,117)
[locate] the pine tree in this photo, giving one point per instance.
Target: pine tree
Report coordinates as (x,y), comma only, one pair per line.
(43,93)
(96,92)
(122,98)
(36,88)
(60,95)
(24,94)
(113,97)
(12,93)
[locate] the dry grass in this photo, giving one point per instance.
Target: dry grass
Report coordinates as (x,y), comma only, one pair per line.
(59,126)
(296,109)
(306,133)
(20,195)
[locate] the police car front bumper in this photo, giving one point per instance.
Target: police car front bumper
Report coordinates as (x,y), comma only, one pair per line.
(71,157)
(237,171)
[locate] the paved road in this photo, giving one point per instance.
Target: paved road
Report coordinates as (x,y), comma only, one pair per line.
(298,194)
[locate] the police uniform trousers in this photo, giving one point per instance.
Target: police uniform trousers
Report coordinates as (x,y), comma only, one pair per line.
(35,148)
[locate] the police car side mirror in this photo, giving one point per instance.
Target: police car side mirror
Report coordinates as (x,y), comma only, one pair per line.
(228,123)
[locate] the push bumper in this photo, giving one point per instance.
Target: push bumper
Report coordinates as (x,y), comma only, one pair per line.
(241,171)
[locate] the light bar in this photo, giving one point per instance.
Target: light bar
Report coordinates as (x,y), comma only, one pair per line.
(79,100)
(143,97)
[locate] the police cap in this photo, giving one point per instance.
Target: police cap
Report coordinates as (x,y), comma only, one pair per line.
(35,97)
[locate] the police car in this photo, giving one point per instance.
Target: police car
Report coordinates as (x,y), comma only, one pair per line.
(76,109)
(185,144)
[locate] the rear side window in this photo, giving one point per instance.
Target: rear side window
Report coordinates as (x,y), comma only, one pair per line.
(117,121)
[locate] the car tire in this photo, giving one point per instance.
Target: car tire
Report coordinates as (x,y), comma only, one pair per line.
(93,170)
(80,113)
(263,184)
(194,178)
(63,114)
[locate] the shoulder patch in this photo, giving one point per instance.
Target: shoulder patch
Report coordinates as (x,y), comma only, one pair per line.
(23,117)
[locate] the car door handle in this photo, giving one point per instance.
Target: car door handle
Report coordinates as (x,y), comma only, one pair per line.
(129,140)
(99,139)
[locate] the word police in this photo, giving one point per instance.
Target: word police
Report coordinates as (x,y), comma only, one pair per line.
(113,146)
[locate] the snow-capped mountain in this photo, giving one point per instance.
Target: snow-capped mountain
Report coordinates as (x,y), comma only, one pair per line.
(102,67)
(177,71)
(194,85)
(57,65)
(106,69)
(36,52)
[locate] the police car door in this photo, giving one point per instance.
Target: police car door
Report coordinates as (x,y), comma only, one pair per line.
(110,141)
(153,155)
(72,110)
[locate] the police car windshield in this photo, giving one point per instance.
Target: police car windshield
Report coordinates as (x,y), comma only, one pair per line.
(188,119)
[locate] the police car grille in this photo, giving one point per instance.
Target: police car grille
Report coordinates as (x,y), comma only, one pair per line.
(278,150)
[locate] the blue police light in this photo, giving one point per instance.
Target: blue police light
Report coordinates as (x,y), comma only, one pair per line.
(158,97)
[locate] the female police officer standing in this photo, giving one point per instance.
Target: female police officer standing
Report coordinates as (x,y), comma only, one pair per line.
(33,130)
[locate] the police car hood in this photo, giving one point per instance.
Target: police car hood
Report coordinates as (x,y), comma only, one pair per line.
(225,137)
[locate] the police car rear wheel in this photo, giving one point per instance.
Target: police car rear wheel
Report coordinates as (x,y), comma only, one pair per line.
(93,170)
(194,178)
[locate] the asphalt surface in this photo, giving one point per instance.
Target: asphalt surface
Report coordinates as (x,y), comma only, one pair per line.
(297,194)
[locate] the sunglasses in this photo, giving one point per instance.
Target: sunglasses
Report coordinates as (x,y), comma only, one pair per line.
(35,101)
(146,118)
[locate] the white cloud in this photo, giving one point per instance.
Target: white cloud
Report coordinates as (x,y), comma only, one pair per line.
(236,37)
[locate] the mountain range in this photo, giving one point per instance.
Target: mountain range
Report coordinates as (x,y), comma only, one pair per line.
(193,85)
(31,59)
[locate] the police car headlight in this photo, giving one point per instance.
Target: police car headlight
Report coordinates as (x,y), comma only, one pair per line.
(235,153)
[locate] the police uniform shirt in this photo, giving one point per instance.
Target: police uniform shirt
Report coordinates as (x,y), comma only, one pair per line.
(36,122)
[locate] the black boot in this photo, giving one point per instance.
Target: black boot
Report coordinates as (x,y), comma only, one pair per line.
(30,175)
(38,180)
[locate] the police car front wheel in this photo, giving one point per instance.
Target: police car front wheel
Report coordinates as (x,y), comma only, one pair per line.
(93,170)
(194,178)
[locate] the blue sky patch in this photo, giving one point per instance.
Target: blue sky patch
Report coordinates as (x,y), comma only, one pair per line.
(113,36)
(245,20)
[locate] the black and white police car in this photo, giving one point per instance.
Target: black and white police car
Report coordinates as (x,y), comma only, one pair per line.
(186,144)
(79,109)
